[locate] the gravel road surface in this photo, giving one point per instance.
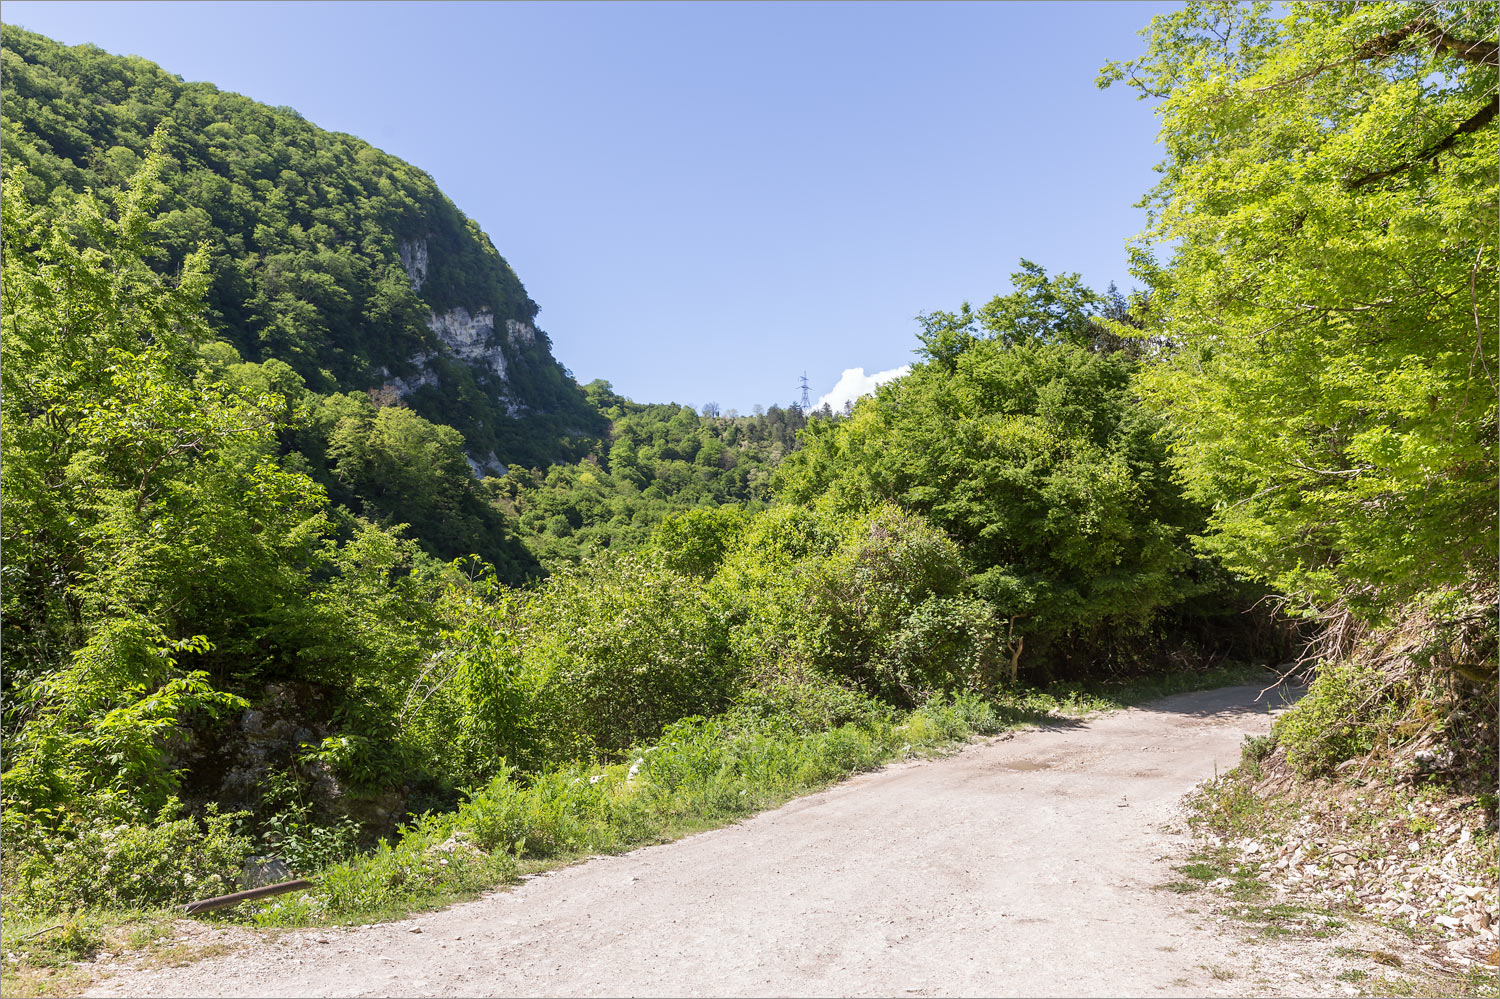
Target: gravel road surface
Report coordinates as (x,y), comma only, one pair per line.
(1026,865)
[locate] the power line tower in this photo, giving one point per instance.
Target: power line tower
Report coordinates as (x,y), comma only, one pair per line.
(806,399)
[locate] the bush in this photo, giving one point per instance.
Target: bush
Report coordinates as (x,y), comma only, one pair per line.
(947,643)
(621,648)
(475,706)
(96,865)
(888,564)
(425,865)
(810,702)
(1257,748)
(872,601)
(1328,725)
(694,543)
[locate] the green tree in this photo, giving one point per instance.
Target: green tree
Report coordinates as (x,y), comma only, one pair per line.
(1328,201)
(1037,461)
(138,504)
(162,565)
(1038,309)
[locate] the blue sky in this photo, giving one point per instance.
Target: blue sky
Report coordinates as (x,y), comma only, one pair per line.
(709,199)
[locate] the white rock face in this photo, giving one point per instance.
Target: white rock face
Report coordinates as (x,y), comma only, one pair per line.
(414,259)
(486,465)
(470,338)
(520,332)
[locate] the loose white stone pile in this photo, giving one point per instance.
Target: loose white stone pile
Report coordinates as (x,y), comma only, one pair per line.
(1440,879)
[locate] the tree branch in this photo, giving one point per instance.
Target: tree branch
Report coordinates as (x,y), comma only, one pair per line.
(1483,117)
(1476,50)
(1480,51)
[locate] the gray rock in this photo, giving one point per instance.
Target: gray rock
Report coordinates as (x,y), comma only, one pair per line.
(264,870)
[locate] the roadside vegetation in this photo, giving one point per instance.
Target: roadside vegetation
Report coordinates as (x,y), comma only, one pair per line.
(240,620)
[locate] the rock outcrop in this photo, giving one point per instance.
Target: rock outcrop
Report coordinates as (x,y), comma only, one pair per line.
(414,259)
(466,337)
(470,338)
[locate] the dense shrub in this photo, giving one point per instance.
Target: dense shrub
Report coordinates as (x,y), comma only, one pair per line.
(1420,688)
(886,612)
(1035,459)
(598,658)
(695,542)
(1327,725)
(877,601)
(424,865)
(474,704)
(93,864)
(621,648)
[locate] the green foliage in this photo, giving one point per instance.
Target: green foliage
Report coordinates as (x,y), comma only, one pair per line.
(1330,724)
(103,726)
(886,612)
(695,542)
(131,497)
(1256,748)
(946,643)
(1036,460)
(622,647)
(169,860)
(657,461)
(296,241)
(162,564)
(432,862)
(417,871)
(876,602)
(1329,200)
(475,703)
(292,833)
(1424,682)
(394,467)
(1038,310)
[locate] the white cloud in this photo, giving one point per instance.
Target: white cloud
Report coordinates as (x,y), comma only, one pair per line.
(855,383)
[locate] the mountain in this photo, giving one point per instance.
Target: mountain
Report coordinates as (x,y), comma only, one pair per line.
(340,260)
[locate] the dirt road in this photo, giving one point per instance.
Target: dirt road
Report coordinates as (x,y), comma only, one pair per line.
(1022,866)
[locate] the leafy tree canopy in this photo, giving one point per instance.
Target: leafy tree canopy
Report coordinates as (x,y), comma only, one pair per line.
(1038,309)
(1036,460)
(1328,204)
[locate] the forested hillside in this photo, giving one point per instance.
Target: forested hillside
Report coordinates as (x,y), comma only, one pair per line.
(241,352)
(656,460)
(337,276)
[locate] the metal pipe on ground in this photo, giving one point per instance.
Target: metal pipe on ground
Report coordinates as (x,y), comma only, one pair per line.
(225,901)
